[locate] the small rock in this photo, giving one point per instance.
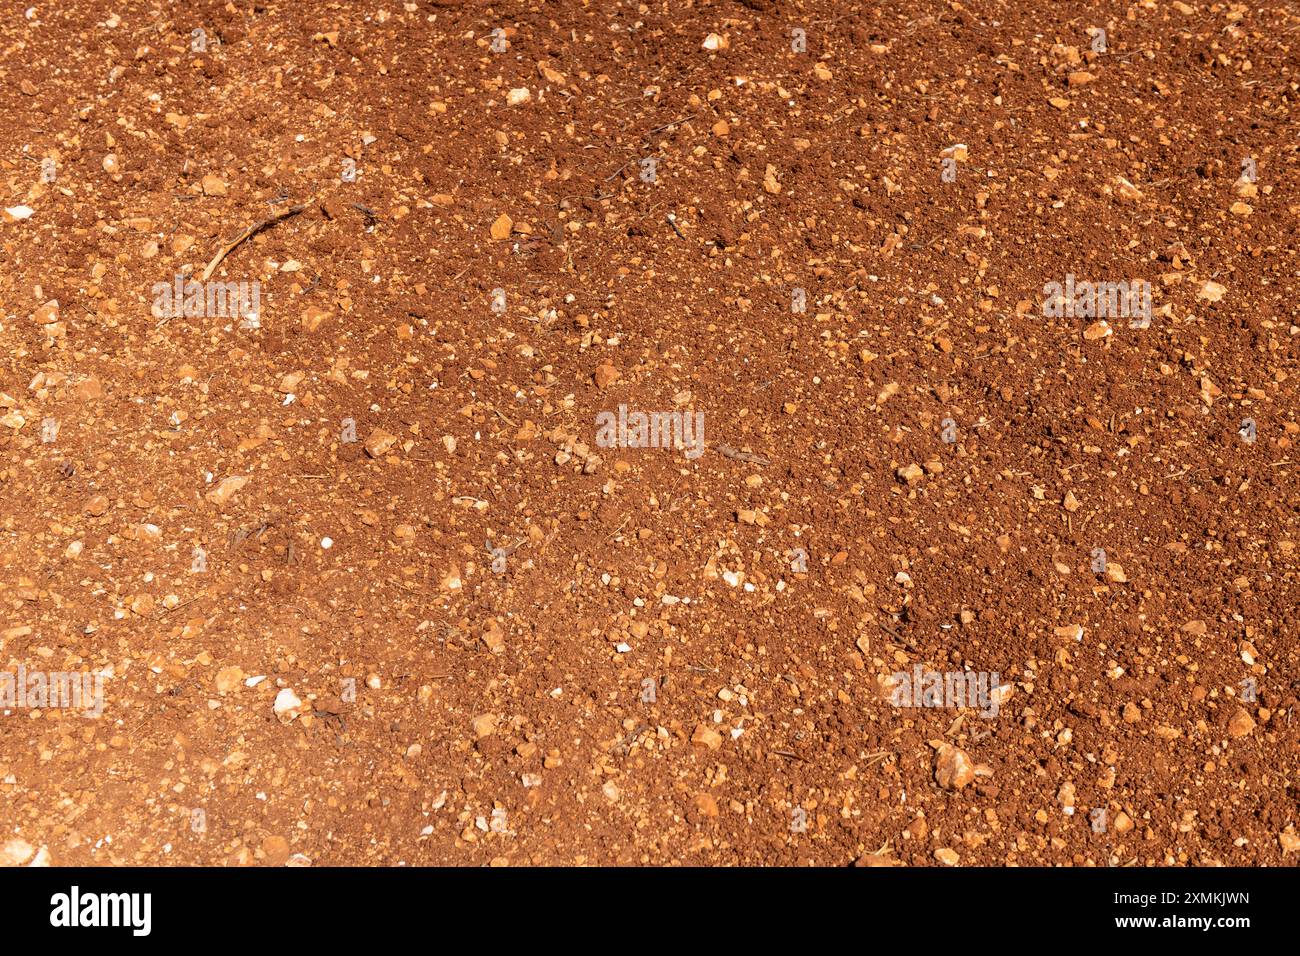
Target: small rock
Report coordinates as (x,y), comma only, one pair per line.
(312,317)
(1127,190)
(226,490)
(48,313)
(287,704)
(277,850)
(16,852)
(910,474)
(493,638)
(89,389)
(379,442)
(1098,330)
(1240,724)
(606,375)
(953,768)
(1211,291)
(706,804)
(946,856)
(501,227)
(705,736)
(290,382)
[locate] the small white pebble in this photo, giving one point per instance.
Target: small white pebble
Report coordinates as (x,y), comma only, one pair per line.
(287,702)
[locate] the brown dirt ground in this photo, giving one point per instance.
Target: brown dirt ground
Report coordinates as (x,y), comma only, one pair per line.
(499,717)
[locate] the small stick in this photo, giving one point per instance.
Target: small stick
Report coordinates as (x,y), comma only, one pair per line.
(617,171)
(675,122)
(251,231)
(889,630)
(168,610)
(738,455)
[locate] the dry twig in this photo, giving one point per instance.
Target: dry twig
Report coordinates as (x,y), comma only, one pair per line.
(252,230)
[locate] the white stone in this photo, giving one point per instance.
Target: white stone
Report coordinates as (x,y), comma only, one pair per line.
(287,704)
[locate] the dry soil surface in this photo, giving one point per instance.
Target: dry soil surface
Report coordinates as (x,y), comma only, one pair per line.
(365,576)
